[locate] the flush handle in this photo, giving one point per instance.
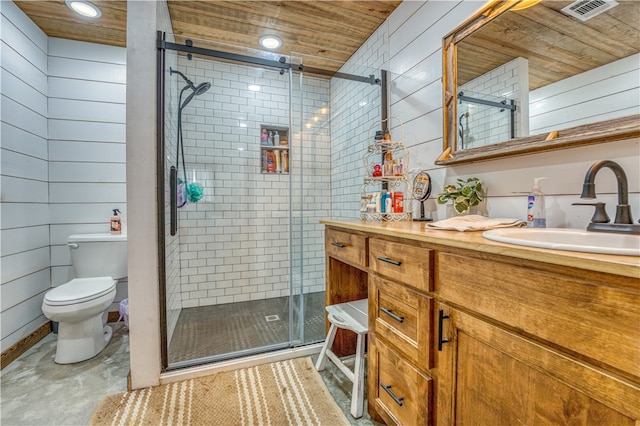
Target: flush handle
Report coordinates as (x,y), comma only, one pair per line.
(73,245)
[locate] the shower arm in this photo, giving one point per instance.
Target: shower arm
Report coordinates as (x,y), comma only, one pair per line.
(184,77)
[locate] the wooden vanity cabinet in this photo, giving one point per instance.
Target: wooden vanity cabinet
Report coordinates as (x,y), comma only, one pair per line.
(465,336)
(526,343)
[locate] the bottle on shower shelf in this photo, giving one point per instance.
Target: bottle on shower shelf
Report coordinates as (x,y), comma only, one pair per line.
(264,137)
(271,162)
(276,138)
(277,154)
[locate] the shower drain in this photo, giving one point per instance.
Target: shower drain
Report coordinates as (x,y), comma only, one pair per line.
(270,318)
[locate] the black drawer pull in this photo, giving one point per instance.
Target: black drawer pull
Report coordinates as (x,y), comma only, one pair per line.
(391,394)
(338,245)
(441,341)
(392,315)
(391,261)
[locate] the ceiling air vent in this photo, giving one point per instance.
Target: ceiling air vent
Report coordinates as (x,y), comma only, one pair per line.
(587,9)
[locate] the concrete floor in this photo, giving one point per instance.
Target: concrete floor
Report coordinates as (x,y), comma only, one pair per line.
(36,391)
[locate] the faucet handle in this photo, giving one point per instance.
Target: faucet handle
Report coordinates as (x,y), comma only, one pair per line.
(599,215)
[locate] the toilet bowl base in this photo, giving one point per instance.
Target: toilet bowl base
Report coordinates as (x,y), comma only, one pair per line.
(79,341)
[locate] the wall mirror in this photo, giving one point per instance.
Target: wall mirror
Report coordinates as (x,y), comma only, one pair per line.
(529,76)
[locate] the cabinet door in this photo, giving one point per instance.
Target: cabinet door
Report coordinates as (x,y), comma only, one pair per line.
(487,375)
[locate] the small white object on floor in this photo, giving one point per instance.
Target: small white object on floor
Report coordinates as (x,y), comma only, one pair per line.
(124,312)
(474,222)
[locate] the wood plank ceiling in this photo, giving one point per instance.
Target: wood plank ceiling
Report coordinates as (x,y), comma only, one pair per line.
(326,33)
(323,33)
(556,45)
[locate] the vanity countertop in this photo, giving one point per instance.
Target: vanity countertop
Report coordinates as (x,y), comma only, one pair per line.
(619,265)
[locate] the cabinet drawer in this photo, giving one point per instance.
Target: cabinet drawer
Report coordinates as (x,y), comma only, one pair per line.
(408,264)
(592,314)
(402,318)
(400,393)
(346,246)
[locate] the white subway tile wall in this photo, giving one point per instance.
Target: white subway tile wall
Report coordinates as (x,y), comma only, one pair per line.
(489,124)
(355,117)
(235,242)
(173,295)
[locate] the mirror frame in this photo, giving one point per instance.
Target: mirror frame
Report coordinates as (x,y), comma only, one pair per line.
(599,132)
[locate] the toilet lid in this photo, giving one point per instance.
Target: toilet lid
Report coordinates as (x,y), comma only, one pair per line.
(80,290)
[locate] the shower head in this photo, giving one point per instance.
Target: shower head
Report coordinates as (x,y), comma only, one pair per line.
(202,87)
(197,91)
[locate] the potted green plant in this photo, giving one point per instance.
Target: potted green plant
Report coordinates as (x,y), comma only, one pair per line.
(463,194)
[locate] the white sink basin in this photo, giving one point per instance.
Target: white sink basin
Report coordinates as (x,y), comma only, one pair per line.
(568,239)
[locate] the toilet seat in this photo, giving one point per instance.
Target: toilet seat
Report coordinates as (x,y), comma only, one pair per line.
(79,290)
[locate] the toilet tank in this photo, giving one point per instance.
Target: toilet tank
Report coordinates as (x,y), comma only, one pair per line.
(98,255)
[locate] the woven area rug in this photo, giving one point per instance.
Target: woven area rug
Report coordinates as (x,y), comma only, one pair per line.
(282,393)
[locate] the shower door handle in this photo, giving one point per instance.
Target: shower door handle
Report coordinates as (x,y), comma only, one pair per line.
(173,199)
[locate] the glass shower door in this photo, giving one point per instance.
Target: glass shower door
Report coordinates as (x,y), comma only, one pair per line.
(237,272)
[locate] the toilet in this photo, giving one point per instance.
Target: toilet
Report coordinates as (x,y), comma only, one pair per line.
(79,306)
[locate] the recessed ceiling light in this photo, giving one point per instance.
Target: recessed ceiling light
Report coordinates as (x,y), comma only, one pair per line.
(84,8)
(270,42)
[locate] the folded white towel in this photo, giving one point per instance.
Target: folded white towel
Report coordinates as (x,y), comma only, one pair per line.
(474,222)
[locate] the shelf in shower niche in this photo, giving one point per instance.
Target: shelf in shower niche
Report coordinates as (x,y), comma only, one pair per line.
(274,154)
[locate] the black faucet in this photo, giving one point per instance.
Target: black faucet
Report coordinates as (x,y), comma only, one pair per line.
(623,221)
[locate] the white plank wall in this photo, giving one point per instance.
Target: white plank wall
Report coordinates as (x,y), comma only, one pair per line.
(87,150)
(24,229)
(63,160)
(415,32)
(612,90)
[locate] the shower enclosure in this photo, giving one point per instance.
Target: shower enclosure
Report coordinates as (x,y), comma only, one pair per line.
(243,250)
(484,119)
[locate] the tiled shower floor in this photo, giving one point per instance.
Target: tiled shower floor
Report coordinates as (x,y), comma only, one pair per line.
(221,329)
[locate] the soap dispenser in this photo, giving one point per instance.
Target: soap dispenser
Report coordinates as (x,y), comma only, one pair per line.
(116,222)
(536,212)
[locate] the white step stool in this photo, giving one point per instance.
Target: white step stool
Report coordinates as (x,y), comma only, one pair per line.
(352,316)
